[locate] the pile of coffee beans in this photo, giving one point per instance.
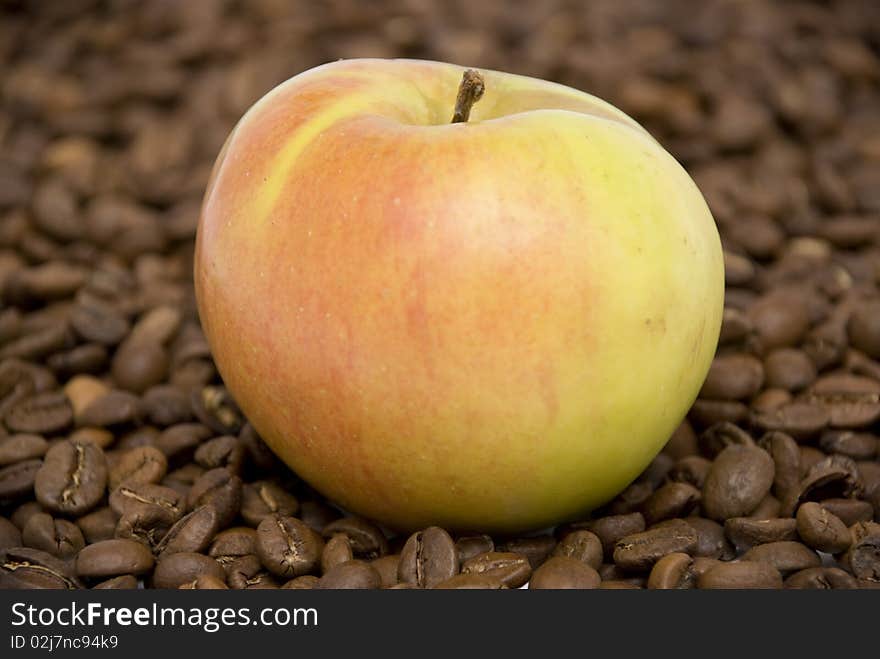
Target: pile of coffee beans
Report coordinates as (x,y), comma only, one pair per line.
(124,462)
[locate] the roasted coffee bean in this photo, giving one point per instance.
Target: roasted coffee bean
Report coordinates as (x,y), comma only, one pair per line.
(18,479)
(18,448)
(563,572)
(769,508)
(612,528)
(336,550)
(719,436)
(122,582)
(55,536)
(225,451)
(10,536)
(41,414)
(139,365)
(206,582)
(745,532)
(789,369)
(82,391)
(711,539)
(237,541)
(191,533)
(23,513)
(801,420)
(115,408)
(214,407)
(640,551)
(72,478)
(100,524)
(855,445)
(350,575)
(471,581)
(165,405)
(387,566)
(740,575)
(317,514)
(367,540)
(821,530)
(145,464)
(673,572)
(147,500)
(582,545)
(428,557)
(733,377)
(786,556)
(779,320)
(174,570)
(99,322)
(786,461)
(671,500)
(513,570)
(536,548)
(863,556)
(242,571)
(849,511)
(691,469)
(682,443)
(739,478)
(655,473)
(863,328)
(24,567)
(831,477)
(472,545)
(179,442)
(287,547)
(98,436)
(305,582)
(821,578)
(631,499)
(264,498)
(38,343)
(770,400)
(618,584)
(219,489)
(112,558)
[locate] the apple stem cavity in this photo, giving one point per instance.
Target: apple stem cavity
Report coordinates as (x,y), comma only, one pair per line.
(469,92)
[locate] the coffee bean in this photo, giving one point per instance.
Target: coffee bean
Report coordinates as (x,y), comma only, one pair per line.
(243,571)
(367,540)
(671,500)
(287,547)
(428,557)
(10,536)
(770,400)
(191,533)
(305,582)
(122,582)
(563,572)
(826,344)
(38,344)
(219,489)
(350,575)
(786,460)
(745,532)
(72,479)
(769,508)
(833,476)
(821,530)
(113,557)
(640,551)
(682,443)
(512,570)
(863,556)
(82,391)
(720,435)
(225,451)
(165,405)
(99,322)
(100,524)
(863,328)
(174,570)
(18,479)
(801,420)
(779,320)
(179,442)
(612,528)
(786,556)
(18,448)
(145,464)
(206,582)
(147,500)
(98,436)
(789,369)
(41,414)
(733,377)
(336,550)
(115,408)
(54,536)
(821,578)
(740,575)
(711,539)
(471,581)
(582,545)
(739,478)
(387,566)
(849,511)
(214,407)
(851,401)
(472,545)
(139,365)
(691,469)
(616,584)
(23,567)
(855,445)
(673,571)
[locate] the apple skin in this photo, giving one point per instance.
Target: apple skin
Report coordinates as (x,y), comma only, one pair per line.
(493,325)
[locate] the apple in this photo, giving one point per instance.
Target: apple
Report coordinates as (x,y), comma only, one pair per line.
(493,323)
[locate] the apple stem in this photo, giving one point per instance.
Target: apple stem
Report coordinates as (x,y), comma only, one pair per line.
(469,92)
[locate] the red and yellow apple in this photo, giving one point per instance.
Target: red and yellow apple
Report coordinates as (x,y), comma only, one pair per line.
(489,325)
